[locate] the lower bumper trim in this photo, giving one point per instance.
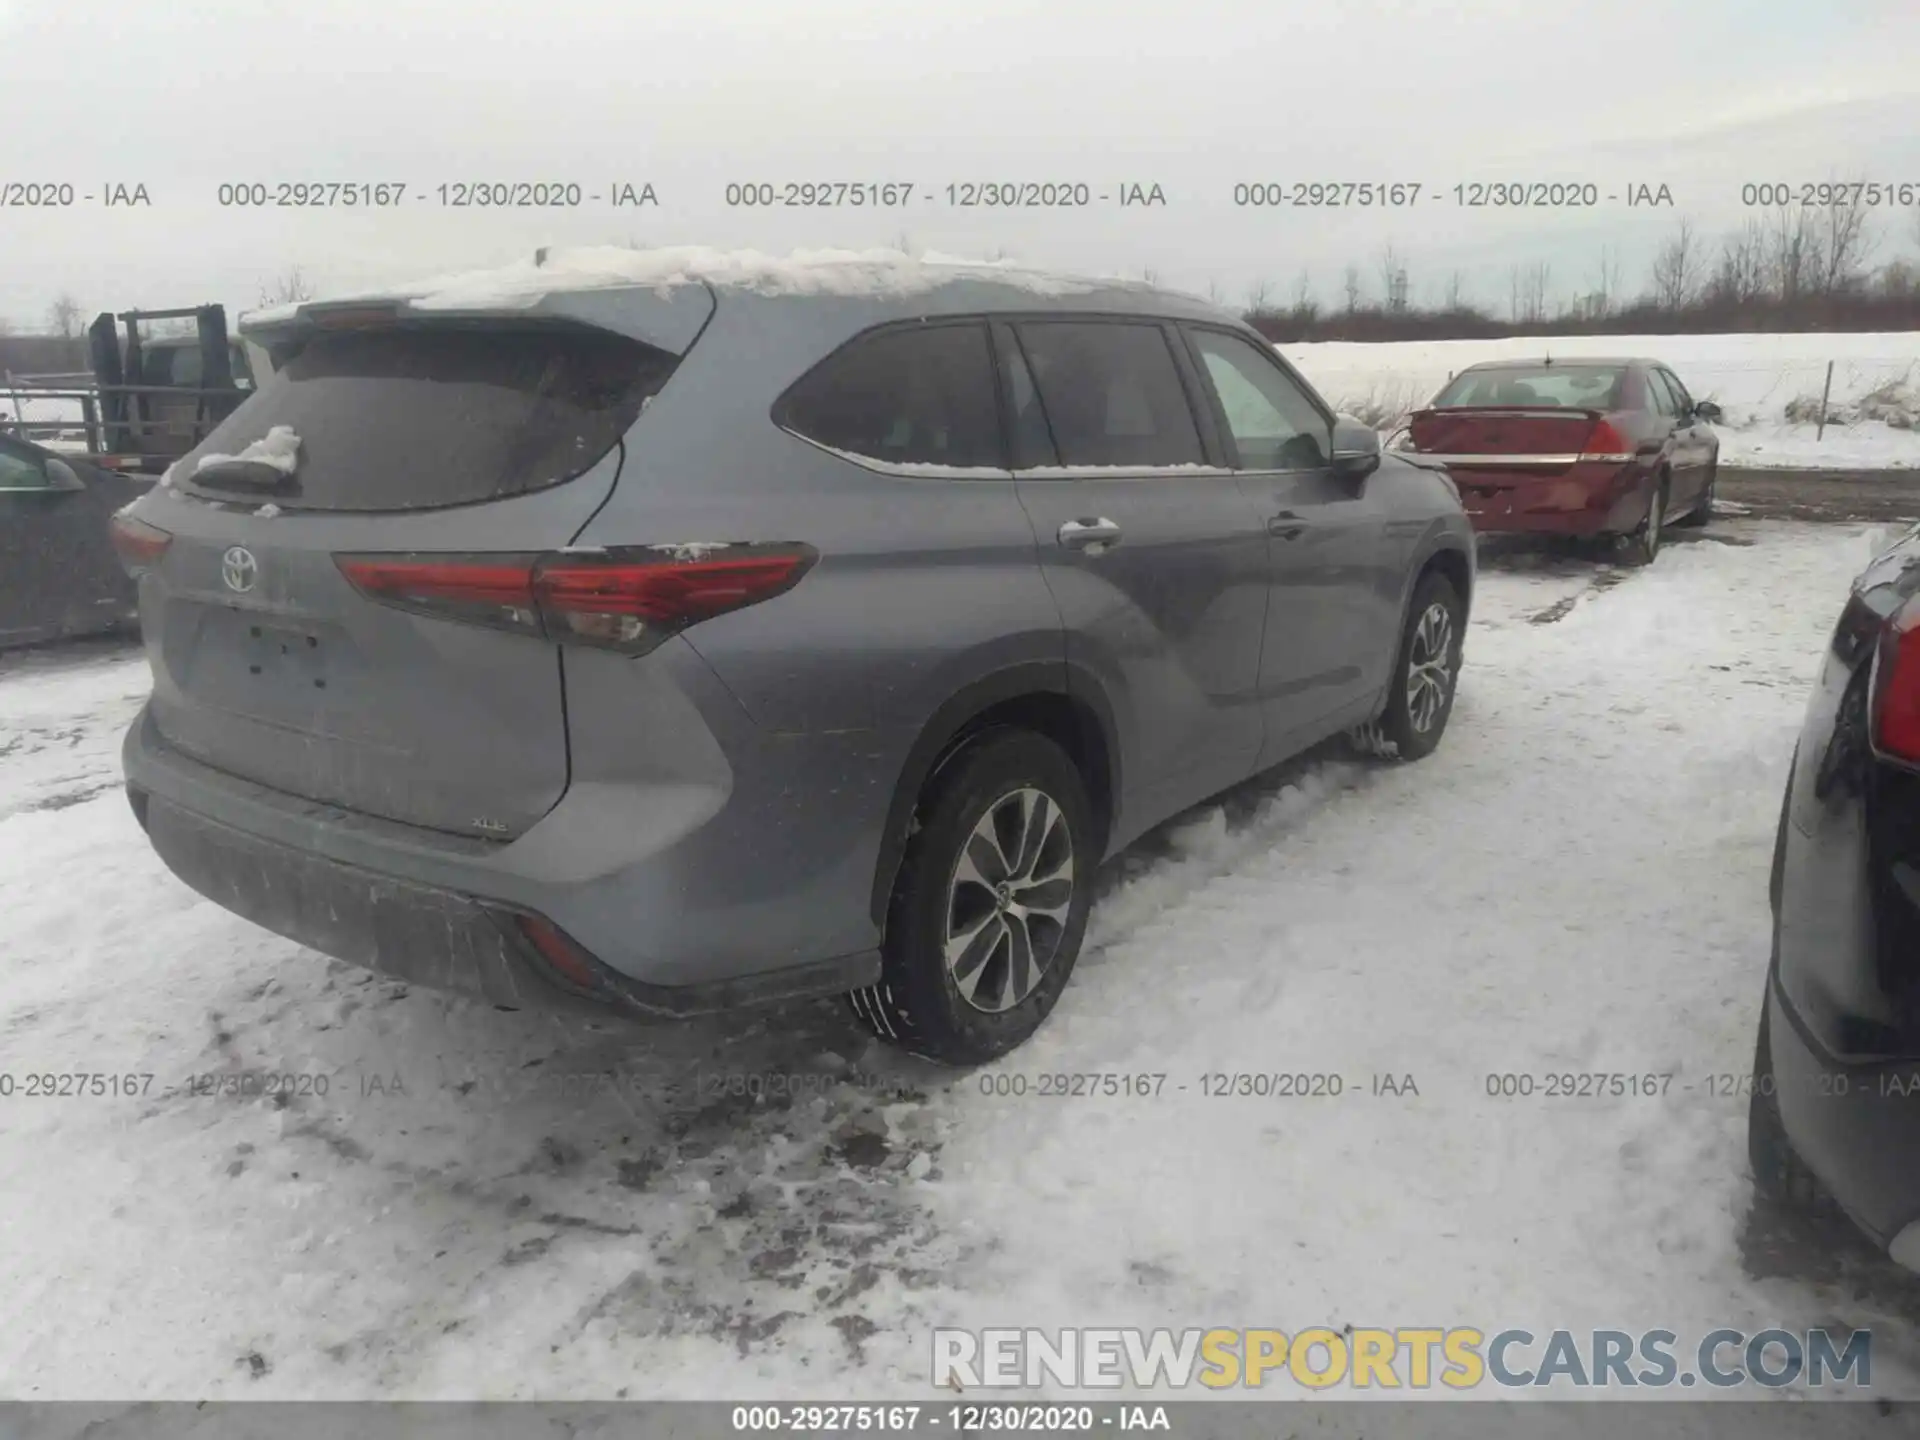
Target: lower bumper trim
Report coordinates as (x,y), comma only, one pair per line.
(438,939)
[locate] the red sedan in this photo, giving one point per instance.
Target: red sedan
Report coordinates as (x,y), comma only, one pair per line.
(1596,448)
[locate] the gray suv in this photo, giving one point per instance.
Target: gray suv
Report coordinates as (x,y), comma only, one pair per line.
(672,642)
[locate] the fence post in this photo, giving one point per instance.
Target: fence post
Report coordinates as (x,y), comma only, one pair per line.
(1825,391)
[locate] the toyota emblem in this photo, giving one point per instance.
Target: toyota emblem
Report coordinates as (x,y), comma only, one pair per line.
(239,569)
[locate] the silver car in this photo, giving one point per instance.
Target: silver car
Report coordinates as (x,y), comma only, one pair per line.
(675,638)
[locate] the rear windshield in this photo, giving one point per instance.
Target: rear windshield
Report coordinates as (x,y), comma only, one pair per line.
(414,419)
(1579,387)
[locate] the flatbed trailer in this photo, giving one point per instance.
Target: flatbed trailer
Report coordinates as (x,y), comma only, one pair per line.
(124,422)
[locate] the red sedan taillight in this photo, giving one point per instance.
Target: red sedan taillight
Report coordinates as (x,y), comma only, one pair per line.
(626,599)
(1606,443)
(138,544)
(1896,701)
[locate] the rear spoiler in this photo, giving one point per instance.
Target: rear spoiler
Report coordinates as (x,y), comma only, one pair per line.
(1517,411)
(667,318)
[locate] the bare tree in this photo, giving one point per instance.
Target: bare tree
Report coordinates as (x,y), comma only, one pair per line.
(1306,305)
(6,326)
(1844,241)
(63,316)
(1900,280)
(1214,292)
(1606,284)
(1676,268)
(1258,294)
(1792,251)
(1393,279)
(1740,276)
(1527,291)
(1456,295)
(1149,275)
(1350,287)
(289,287)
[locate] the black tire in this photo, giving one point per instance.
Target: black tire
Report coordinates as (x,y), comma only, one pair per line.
(1779,1175)
(1399,733)
(919,1004)
(1702,511)
(1643,545)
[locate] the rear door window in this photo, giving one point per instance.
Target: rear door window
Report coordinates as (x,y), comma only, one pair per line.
(1273,425)
(1664,401)
(1111,393)
(919,395)
(422,417)
(1028,433)
(1682,401)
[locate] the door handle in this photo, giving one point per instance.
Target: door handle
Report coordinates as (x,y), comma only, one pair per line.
(1286,526)
(1094,536)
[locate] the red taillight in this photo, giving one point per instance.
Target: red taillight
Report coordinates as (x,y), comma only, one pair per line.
(1605,443)
(1896,707)
(626,599)
(137,543)
(493,590)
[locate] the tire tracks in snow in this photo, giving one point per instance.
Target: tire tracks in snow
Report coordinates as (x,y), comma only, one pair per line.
(1602,582)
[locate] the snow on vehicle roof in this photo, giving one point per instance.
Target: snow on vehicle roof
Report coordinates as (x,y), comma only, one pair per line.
(878,272)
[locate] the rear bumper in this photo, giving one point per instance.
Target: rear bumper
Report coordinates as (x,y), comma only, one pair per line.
(1857,1127)
(410,932)
(1579,500)
(441,911)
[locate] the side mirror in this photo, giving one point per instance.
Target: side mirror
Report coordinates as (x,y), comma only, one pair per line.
(1356,448)
(1708,411)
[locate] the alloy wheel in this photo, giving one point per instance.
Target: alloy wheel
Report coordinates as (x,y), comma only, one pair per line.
(1008,900)
(1430,667)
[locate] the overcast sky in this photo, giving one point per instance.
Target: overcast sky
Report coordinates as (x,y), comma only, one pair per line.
(1192,95)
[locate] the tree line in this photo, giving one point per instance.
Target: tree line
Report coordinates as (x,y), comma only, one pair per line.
(1797,268)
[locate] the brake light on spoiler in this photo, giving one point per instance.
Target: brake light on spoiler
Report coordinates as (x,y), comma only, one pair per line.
(628,599)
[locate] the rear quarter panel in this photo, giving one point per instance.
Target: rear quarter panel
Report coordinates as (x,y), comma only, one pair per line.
(1846,926)
(926,585)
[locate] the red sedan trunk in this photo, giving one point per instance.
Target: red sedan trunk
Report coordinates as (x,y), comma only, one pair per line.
(1541,468)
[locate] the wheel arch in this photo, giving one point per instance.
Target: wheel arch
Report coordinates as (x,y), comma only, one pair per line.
(1447,554)
(1046,697)
(1452,562)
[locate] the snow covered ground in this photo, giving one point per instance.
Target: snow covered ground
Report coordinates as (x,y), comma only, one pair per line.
(1753,377)
(493,1205)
